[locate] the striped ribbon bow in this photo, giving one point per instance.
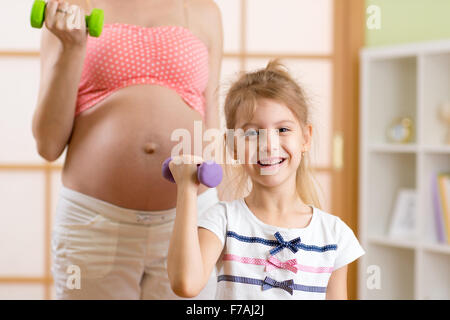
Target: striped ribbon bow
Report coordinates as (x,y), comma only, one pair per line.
(291,245)
(287,285)
(290,265)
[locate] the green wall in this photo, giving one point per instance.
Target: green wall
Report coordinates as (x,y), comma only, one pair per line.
(405,21)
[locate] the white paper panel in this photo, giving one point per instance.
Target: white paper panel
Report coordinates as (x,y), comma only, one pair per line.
(19,80)
(231,23)
(315,77)
(56,184)
(22,228)
(229,74)
(290,26)
(21,291)
(52,292)
(62,158)
(16,33)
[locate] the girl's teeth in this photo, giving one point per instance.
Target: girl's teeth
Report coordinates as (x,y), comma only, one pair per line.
(270,163)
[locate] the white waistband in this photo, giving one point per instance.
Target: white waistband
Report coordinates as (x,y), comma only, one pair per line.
(114,212)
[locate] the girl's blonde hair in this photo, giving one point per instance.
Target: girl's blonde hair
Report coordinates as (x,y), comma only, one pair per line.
(275,83)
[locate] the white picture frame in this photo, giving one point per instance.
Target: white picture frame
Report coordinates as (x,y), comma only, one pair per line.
(404,215)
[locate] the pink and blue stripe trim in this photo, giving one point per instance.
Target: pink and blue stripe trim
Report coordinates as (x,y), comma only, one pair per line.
(268,283)
(274,263)
(279,243)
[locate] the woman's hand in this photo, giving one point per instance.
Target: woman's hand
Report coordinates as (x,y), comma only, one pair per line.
(67,22)
(184,170)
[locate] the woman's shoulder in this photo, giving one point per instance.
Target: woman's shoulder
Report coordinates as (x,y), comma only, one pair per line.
(203,6)
(207,15)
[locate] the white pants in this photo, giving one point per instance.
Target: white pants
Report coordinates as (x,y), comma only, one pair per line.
(102,251)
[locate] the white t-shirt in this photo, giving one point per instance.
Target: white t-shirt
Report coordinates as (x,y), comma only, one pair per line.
(261,261)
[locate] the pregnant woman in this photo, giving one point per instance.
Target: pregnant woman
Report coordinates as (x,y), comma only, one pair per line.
(114,101)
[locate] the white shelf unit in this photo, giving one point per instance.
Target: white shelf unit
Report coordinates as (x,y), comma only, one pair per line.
(404,80)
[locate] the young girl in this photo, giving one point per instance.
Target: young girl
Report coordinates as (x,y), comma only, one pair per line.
(275,243)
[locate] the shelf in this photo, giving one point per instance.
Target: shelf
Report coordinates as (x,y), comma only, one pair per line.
(403,81)
(408,148)
(393,148)
(433,94)
(435,277)
(397,269)
(389,173)
(406,50)
(432,163)
(437,248)
(439,149)
(389,79)
(388,241)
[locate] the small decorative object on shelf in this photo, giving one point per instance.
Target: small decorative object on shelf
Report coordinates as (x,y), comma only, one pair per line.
(401,130)
(403,222)
(444,116)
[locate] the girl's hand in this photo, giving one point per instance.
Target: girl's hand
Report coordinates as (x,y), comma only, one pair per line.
(184,170)
(67,22)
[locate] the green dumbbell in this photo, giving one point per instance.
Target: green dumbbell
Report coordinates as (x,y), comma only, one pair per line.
(94,22)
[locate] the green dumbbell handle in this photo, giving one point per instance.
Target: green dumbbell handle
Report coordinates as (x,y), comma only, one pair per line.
(94,22)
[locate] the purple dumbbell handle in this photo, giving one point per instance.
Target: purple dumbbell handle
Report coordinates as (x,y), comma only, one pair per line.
(166,171)
(209,173)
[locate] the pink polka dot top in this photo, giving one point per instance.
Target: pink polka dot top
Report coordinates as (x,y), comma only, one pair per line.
(124,55)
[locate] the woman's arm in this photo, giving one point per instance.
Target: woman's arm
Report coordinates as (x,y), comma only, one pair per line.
(209,15)
(212,21)
(337,285)
(62,55)
(193,252)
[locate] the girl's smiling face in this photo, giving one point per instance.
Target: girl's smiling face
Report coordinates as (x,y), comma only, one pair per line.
(274,142)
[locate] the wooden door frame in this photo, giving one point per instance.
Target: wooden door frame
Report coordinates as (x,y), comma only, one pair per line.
(349,37)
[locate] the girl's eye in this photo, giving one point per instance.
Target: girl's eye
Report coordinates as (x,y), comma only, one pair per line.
(281,130)
(251,132)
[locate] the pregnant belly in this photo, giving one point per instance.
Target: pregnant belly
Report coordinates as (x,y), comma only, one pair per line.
(117,147)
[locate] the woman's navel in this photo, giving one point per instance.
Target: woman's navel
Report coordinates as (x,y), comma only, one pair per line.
(150,147)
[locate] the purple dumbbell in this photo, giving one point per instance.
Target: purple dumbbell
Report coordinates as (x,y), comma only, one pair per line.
(209,173)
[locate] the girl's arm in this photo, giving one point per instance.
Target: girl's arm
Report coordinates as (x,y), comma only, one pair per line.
(193,252)
(337,285)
